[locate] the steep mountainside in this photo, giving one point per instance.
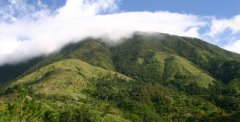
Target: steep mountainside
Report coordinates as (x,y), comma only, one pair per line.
(148,77)
(10,72)
(214,60)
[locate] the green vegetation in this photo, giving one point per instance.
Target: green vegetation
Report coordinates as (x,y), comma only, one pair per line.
(149,77)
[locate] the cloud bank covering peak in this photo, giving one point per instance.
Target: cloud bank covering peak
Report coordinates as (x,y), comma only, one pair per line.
(33,29)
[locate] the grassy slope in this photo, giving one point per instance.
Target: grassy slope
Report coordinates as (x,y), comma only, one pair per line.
(66,77)
(174,66)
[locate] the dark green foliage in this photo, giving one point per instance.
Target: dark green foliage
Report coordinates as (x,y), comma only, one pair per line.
(76,115)
(10,72)
(147,101)
(225,70)
(50,116)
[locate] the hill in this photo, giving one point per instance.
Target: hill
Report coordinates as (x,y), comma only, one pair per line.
(148,77)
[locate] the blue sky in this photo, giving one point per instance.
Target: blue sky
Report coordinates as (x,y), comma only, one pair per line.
(218,8)
(29,28)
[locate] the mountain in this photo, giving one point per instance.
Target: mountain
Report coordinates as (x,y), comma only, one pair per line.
(148,77)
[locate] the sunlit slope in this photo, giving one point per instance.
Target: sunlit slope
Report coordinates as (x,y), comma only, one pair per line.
(175,67)
(65,77)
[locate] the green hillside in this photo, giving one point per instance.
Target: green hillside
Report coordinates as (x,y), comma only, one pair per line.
(148,77)
(67,78)
(176,67)
(89,50)
(78,82)
(220,64)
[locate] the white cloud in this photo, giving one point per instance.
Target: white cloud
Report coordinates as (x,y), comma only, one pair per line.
(234,47)
(41,32)
(222,25)
(44,33)
(225,32)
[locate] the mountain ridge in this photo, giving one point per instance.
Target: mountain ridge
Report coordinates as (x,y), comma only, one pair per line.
(148,77)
